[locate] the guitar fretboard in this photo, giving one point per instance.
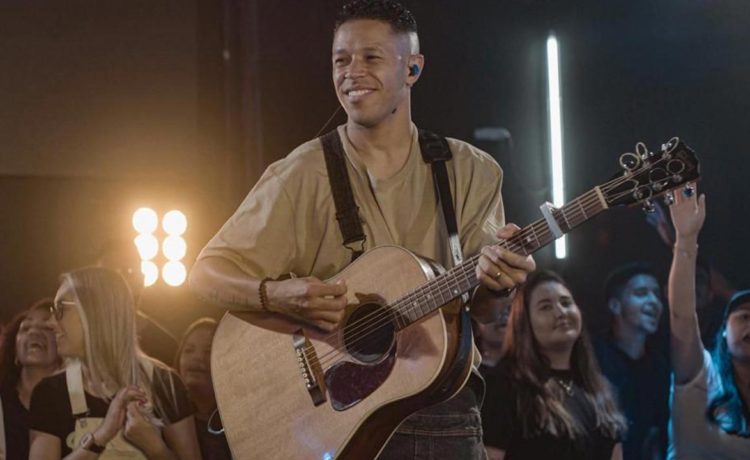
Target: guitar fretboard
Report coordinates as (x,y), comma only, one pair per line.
(462,278)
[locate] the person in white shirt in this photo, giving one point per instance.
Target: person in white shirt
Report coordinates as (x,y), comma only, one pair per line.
(710,391)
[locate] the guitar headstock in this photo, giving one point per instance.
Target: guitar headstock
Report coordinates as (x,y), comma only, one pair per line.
(648,175)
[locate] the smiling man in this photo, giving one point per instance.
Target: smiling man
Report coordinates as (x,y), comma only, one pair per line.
(634,362)
(288,223)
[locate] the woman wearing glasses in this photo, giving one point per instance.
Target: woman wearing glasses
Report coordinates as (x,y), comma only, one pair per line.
(28,355)
(112,401)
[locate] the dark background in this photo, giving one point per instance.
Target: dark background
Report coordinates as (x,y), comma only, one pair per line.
(108,106)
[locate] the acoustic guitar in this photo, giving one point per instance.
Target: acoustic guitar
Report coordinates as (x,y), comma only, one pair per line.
(286,390)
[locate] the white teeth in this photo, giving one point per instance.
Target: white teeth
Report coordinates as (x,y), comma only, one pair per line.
(359,92)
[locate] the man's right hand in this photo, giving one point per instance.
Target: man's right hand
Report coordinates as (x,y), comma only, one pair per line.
(309,300)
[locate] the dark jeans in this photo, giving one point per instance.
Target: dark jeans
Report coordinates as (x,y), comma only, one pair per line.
(447,431)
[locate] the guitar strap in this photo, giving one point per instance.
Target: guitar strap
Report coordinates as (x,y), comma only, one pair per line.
(347,213)
(435,151)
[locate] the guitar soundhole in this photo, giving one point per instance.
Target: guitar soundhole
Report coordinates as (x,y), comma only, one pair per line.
(369,333)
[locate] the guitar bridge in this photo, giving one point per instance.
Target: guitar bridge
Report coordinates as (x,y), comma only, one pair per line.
(309,367)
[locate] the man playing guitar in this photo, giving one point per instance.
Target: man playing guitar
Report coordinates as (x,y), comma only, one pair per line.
(287,224)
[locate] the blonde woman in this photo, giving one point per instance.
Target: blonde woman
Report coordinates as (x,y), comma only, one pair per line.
(112,401)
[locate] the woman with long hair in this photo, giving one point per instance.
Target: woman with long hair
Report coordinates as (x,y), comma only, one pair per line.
(547,398)
(27,355)
(711,391)
(193,363)
(112,401)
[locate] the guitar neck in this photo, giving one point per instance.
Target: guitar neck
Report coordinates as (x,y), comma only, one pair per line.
(462,278)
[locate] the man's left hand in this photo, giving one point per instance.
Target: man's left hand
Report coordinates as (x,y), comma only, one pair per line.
(499,268)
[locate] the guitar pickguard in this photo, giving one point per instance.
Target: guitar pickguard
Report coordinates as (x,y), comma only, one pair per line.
(349,383)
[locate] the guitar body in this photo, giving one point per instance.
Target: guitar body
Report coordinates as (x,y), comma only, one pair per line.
(356,398)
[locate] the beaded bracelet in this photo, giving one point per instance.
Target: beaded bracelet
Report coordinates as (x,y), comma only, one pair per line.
(264,295)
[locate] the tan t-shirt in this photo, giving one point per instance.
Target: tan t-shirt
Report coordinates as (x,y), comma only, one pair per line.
(287,223)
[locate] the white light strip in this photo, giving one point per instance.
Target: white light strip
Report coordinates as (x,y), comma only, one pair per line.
(555,135)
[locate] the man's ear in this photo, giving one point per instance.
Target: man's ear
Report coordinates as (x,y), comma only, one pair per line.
(415,67)
(614,306)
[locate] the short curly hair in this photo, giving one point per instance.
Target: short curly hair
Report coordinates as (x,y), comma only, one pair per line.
(394,13)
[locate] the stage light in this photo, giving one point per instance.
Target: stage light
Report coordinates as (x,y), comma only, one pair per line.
(174,223)
(174,247)
(150,273)
(174,273)
(148,246)
(555,134)
(145,220)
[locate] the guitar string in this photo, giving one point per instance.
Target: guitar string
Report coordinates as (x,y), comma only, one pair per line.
(534,230)
(464,269)
(388,316)
(527,232)
(524,235)
(366,322)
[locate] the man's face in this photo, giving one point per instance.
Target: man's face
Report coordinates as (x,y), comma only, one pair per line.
(370,70)
(640,303)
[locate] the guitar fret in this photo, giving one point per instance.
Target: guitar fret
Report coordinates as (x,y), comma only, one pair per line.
(399,322)
(583,210)
(565,218)
(536,237)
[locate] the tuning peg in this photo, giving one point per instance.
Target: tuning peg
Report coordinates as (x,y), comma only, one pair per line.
(630,161)
(669,199)
(642,151)
(669,145)
(649,207)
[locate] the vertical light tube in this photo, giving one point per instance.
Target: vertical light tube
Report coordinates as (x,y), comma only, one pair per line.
(555,135)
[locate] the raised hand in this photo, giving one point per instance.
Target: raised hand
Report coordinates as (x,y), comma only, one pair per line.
(688,212)
(309,300)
